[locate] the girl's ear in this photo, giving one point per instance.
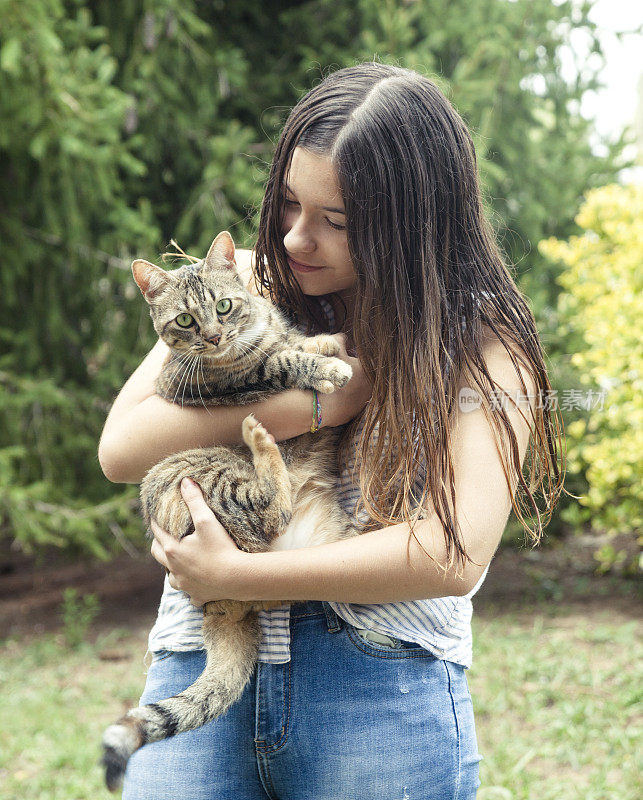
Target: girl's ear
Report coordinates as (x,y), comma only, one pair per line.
(221,253)
(151,280)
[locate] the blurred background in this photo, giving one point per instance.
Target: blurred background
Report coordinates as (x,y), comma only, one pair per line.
(128,123)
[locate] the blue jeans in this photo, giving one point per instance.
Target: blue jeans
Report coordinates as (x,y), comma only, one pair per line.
(346,719)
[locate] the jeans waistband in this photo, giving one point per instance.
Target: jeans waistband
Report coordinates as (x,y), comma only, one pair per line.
(313,608)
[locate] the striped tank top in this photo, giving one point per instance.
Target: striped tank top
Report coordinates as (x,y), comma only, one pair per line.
(440,625)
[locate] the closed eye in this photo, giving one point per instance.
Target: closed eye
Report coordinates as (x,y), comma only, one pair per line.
(332,224)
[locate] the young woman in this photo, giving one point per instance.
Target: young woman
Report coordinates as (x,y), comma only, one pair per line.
(371,226)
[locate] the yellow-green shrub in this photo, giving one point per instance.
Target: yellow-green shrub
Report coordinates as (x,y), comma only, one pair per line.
(603,305)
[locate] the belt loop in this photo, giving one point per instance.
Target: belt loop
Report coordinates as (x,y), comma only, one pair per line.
(332,620)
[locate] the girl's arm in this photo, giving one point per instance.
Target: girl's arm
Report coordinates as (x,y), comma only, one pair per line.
(376,567)
(142,428)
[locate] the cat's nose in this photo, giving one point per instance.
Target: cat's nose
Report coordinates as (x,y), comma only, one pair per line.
(214,339)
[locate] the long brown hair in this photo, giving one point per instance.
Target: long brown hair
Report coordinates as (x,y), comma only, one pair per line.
(429,278)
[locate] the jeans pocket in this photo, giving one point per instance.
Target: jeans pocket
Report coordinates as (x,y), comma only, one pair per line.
(381,645)
(381,639)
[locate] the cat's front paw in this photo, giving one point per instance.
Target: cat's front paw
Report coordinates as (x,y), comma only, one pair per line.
(324,345)
(331,374)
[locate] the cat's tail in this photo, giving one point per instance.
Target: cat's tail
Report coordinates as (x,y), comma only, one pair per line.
(232,647)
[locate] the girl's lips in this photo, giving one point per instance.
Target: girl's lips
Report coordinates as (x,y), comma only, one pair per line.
(297,267)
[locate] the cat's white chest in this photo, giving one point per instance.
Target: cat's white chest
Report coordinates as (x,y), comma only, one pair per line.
(309,526)
(297,534)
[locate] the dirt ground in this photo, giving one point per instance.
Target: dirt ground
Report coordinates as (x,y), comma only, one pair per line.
(129,587)
(31,592)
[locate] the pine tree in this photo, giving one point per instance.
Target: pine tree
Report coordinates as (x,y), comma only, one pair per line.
(128,123)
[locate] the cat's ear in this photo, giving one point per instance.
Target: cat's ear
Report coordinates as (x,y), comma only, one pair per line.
(221,253)
(151,280)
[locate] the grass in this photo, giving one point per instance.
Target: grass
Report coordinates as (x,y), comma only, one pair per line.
(56,703)
(557,693)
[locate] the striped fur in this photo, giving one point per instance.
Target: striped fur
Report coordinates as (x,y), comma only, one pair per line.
(441,625)
(266,495)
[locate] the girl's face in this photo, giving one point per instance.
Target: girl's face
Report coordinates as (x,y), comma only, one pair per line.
(314,227)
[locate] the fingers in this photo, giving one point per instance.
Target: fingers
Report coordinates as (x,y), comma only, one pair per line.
(162,549)
(159,554)
(157,550)
(200,512)
(180,557)
(164,546)
(163,536)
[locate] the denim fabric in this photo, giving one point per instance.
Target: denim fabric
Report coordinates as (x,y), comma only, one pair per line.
(345,719)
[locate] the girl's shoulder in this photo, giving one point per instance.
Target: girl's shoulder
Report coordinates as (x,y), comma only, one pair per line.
(503,358)
(245,267)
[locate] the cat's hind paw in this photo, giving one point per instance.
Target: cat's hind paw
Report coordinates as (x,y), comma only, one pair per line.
(255,435)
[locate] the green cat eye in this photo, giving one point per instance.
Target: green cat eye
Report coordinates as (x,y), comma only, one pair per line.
(223,306)
(184,320)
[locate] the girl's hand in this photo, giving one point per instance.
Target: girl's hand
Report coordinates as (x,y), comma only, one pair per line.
(202,564)
(342,405)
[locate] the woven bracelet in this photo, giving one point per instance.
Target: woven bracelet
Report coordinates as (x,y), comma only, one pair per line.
(317,413)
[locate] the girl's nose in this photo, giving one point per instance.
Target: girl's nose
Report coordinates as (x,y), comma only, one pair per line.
(298,239)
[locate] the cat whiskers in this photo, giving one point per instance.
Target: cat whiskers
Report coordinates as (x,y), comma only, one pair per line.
(191,369)
(190,364)
(194,375)
(185,366)
(178,386)
(180,362)
(243,349)
(198,383)
(247,348)
(176,362)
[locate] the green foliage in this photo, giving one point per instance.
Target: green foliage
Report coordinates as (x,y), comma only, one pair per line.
(501,65)
(78,613)
(128,123)
(105,154)
(601,311)
(57,435)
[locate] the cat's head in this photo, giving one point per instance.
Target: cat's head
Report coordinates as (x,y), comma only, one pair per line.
(200,308)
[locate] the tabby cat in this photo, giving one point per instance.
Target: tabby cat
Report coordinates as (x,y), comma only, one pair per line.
(230,347)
